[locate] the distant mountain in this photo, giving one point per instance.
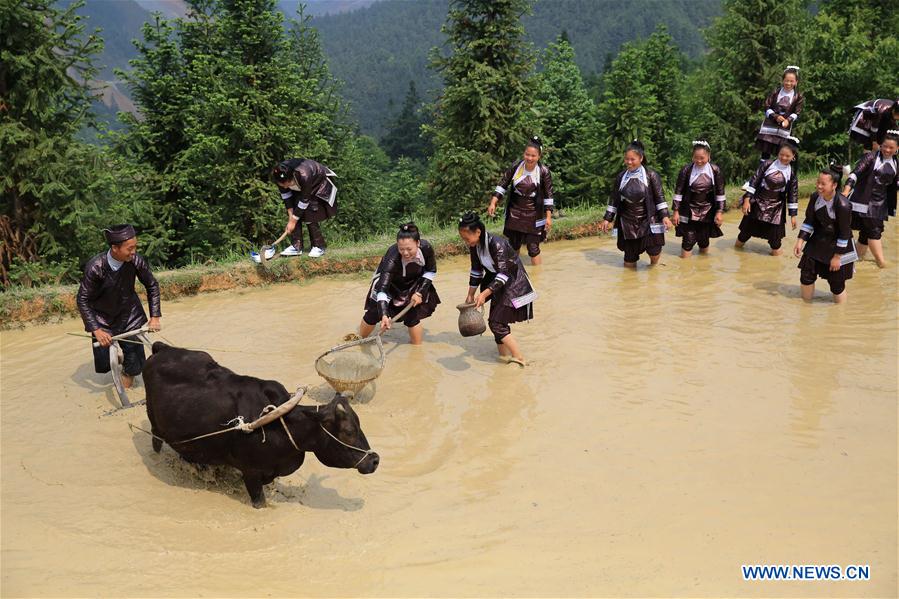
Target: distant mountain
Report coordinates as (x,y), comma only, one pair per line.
(169,8)
(376,50)
(377,46)
(324,7)
(120,22)
(178,8)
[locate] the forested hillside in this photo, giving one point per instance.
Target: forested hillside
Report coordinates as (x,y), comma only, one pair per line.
(377,50)
(226,94)
(377,47)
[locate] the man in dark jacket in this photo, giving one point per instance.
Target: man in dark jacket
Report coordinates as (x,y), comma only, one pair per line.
(109,305)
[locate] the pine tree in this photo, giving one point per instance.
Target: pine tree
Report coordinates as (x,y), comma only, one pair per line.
(46,174)
(568,126)
(643,100)
(482,118)
(160,89)
(404,136)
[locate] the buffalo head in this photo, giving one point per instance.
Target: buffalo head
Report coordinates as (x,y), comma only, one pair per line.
(342,443)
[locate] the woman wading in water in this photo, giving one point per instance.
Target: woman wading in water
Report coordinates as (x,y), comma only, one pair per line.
(872,189)
(699,201)
(638,209)
(529,205)
(405,275)
(770,195)
(497,270)
(825,245)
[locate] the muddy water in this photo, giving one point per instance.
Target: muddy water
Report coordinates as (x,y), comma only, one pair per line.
(675,423)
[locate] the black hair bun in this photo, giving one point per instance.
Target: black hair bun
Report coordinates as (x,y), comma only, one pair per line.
(790,141)
(408,231)
(535,142)
(835,170)
(470,219)
(279,172)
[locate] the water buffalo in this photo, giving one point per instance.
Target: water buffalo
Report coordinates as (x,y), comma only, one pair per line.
(189,394)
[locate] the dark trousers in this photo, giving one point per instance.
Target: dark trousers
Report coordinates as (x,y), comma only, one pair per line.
(811,270)
(315,236)
(132,364)
(869,228)
(517,239)
(773,243)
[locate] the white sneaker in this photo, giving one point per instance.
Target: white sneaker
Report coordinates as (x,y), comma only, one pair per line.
(269,254)
(291,251)
(316,252)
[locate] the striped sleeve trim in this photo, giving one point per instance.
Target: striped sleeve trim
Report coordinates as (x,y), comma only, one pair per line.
(502,277)
(661,206)
(500,190)
(285,195)
(807,228)
(430,275)
(382,297)
(548,202)
(842,243)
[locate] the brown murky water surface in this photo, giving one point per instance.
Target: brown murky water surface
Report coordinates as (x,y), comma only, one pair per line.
(676,423)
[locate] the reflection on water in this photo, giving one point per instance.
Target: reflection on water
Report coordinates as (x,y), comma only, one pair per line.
(675,422)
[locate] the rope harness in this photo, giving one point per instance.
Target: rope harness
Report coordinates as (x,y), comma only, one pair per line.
(269,414)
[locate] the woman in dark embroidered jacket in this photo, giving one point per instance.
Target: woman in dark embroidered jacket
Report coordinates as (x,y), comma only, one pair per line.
(498,271)
(310,197)
(872,120)
(782,108)
(825,245)
(872,189)
(405,275)
(771,194)
(638,209)
(527,186)
(699,201)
